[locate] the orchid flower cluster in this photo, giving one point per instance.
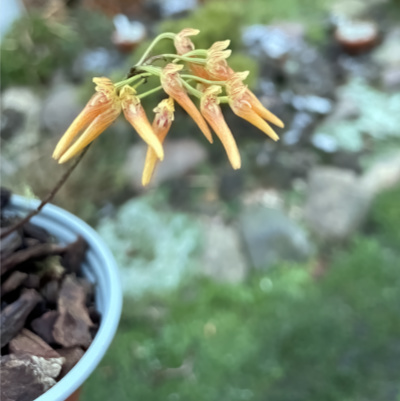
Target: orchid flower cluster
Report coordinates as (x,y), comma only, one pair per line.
(203,74)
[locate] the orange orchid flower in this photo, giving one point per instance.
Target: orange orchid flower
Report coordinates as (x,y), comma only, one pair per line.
(242,103)
(136,116)
(216,64)
(99,113)
(181,41)
(211,111)
(161,125)
(172,85)
(184,45)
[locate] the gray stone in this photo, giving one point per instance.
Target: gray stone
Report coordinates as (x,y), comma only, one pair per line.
(271,237)
(383,174)
(20,122)
(60,109)
(180,157)
(223,258)
(337,203)
(26,377)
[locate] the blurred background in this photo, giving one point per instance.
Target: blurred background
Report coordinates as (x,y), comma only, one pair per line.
(280,281)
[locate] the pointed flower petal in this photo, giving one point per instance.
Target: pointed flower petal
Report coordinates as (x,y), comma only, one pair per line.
(136,116)
(97,126)
(216,64)
(182,43)
(161,125)
(172,85)
(212,113)
(259,108)
(241,104)
(104,101)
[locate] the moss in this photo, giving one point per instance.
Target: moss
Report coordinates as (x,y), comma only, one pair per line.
(280,336)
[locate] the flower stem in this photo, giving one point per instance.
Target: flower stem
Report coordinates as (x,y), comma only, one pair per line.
(205,81)
(167,35)
(128,81)
(192,90)
(47,199)
(144,94)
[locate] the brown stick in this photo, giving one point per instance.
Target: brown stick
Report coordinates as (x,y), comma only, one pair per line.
(47,199)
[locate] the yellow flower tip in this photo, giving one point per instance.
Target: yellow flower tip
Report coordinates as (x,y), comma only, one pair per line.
(220,45)
(136,116)
(262,111)
(181,41)
(164,116)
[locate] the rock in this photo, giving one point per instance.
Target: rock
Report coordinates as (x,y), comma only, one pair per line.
(20,123)
(162,9)
(230,184)
(387,56)
(271,237)
(60,108)
(388,53)
(73,324)
(337,203)
(357,37)
(181,156)
(284,55)
(34,375)
(383,175)
(128,34)
(29,343)
(300,129)
(223,259)
(96,62)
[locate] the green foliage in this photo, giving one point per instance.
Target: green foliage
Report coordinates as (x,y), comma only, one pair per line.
(308,12)
(34,48)
(94,28)
(281,337)
(242,62)
(385,216)
(217,20)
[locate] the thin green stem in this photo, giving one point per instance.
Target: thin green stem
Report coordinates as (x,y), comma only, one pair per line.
(167,35)
(128,81)
(151,69)
(184,58)
(144,94)
(223,99)
(205,81)
(192,90)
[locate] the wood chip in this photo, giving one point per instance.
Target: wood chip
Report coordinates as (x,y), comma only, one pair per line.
(13,282)
(27,342)
(32,252)
(43,326)
(72,357)
(13,316)
(72,327)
